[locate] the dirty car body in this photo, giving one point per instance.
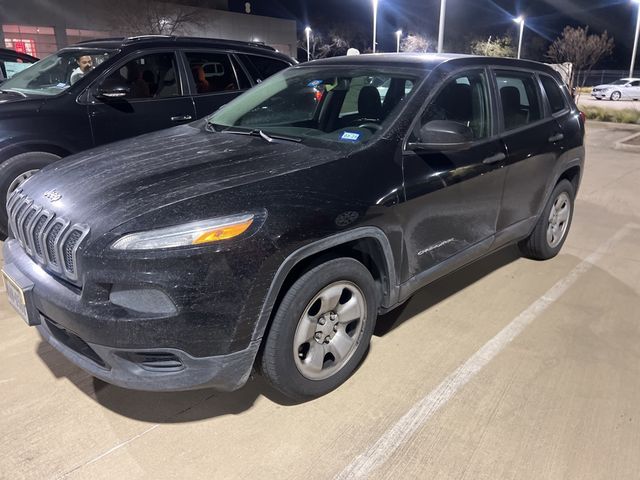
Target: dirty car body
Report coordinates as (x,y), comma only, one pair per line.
(359,185)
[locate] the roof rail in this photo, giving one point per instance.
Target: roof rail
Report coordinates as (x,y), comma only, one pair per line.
(106,39)
(141,38)
(138,38)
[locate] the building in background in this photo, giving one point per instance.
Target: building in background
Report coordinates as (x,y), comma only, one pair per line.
(41,27)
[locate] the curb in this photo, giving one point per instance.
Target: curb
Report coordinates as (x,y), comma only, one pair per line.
(615,125)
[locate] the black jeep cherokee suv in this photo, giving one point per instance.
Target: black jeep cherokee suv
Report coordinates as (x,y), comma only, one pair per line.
(275,231)
(100,91)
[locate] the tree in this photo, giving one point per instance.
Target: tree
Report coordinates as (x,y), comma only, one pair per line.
(498,47)
(415,42)
(577,47)
(152,17)
(338,39)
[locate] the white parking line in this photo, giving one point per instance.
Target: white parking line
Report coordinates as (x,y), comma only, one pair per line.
(396,436)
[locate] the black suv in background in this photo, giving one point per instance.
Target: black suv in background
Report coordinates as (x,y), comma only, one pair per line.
(128,87)
(274,232)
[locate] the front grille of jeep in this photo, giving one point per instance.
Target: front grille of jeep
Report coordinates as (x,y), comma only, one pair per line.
(49,239)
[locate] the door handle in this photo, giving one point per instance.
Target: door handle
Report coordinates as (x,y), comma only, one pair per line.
(498,157)
(556,138)
(181,118)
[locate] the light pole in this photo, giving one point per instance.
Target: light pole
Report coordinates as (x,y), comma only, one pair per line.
(307,31)
(443,11)
(635,42)
(520,20)
(398,35)
(375,22)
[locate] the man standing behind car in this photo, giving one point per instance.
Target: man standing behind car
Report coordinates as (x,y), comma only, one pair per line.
(85,64)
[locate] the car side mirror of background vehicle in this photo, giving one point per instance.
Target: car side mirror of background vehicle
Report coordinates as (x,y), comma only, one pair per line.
(116,91)
(443,135)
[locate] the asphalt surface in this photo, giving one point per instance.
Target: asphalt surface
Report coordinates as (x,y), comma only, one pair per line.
(508,369)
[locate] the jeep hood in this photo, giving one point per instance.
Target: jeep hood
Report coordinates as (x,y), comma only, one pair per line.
(111,185)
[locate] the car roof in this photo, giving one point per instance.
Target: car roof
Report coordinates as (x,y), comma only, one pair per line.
(630,79)
(13,53)
(428,61)
(151,41)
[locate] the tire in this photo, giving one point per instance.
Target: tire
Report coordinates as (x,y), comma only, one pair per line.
(13,168)
(342,286)
(615,96)
(543,243)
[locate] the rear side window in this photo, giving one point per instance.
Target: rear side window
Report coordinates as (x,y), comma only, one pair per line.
(519,98)
(212,72)
(262,68)
(554,94)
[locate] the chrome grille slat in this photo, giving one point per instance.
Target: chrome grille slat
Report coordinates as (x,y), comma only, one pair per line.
(51,240)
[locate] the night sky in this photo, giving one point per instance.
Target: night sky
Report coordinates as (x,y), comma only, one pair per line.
(468,19)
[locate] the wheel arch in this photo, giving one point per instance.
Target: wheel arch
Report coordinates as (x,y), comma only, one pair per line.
(35,147)
(368,245)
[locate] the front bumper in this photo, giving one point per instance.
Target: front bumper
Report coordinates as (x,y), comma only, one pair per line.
(600,95)
(145,367)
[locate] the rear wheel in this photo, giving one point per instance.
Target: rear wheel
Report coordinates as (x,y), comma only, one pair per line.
(552,228)
(321,330)
(13,173)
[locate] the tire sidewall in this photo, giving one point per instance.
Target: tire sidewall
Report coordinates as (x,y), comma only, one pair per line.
(281,335)
(12,168)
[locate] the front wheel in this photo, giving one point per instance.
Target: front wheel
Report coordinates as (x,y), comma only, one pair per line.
(615,96)
(321,329)
(13,173)
(552,228)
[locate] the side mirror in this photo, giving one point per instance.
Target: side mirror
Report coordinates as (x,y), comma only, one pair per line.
(443,135)
(116,91)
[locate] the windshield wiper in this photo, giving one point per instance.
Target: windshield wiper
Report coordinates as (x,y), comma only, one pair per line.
(267,137)
(14,91)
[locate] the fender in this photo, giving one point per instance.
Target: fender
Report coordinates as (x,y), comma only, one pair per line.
(392,291)
(13,149)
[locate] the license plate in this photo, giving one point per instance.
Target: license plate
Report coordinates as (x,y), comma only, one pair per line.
(18,287)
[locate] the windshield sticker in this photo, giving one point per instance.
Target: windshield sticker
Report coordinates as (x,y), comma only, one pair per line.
(315,83)
(350,136)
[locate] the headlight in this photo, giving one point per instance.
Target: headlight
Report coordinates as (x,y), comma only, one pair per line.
(194,233)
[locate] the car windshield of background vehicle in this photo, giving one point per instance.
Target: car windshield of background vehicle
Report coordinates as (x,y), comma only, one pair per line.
(56,73)
(349,105)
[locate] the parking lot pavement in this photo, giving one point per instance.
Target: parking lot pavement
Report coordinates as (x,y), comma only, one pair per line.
(509,368)
(586,100)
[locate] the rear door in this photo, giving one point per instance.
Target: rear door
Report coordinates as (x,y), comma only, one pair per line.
(155,98)
(533,138)
(453,193)
(215,79)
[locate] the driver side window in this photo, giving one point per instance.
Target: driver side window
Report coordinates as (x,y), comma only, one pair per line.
(146,77)
(463,100)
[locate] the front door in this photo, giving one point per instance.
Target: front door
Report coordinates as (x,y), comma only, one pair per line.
(151,98)
(453,193)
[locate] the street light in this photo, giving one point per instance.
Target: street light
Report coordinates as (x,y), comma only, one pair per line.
(398,35)
(635,42)
(307,31)
(443,10)
(375,22)
(520,20)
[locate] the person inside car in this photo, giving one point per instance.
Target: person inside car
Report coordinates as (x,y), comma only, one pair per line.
(85,64)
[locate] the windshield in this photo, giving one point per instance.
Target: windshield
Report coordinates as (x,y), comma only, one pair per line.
(620,82)
(348,105)
(57,72)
